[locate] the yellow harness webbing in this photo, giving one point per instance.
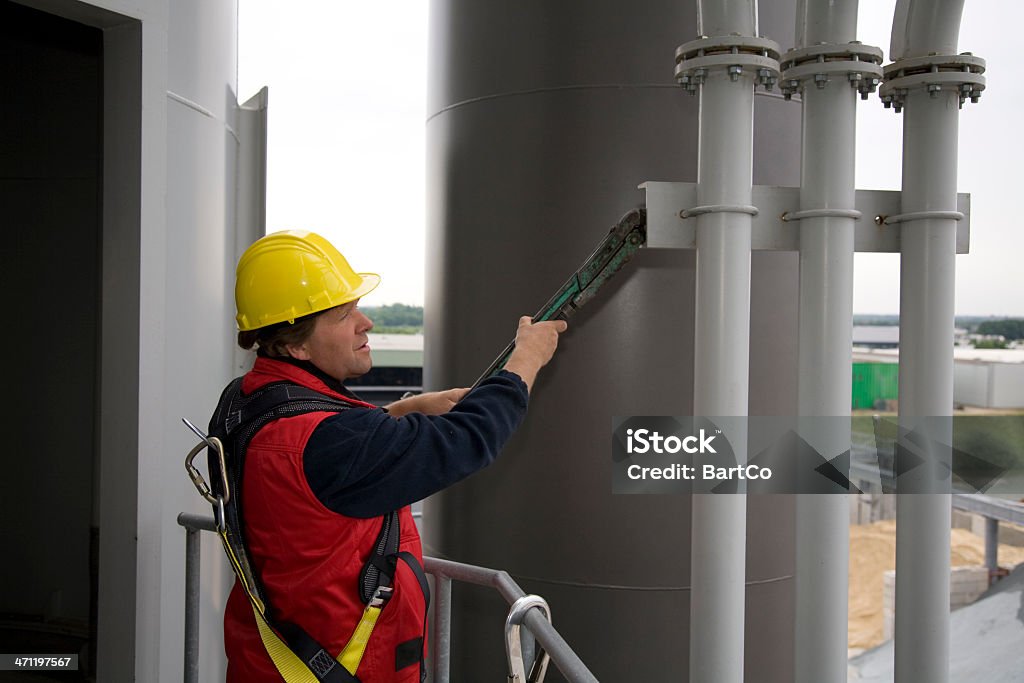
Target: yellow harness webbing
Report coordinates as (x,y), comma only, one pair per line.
(291,668)
(356,646)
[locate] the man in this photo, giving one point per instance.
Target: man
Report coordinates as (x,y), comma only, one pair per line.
(319,488)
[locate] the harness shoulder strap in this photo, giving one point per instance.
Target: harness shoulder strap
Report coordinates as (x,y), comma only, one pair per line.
(298,657)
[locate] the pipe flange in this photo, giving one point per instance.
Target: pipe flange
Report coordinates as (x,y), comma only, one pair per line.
(733,54)
(961,74)
(857,64)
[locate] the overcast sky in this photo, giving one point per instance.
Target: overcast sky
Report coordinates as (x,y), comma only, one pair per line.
(347,121)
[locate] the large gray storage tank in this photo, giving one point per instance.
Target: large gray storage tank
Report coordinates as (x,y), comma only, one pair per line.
(543,117)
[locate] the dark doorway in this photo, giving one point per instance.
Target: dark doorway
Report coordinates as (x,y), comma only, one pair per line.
(51,144)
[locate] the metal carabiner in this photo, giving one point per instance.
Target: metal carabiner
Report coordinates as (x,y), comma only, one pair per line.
(514,641)
(196,476)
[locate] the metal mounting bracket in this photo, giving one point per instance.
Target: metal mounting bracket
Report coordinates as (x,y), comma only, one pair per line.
(776,226)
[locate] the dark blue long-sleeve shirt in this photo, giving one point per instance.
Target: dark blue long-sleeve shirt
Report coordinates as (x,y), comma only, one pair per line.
(363,462)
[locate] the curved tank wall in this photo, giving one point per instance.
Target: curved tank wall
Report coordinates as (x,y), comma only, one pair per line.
(542,120)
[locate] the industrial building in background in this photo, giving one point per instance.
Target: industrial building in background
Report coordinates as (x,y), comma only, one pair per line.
(546,122)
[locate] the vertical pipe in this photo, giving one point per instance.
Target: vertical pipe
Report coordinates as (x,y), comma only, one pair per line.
(920,28)
(722,347)
(926,381)
(825,21)
(191,605)
(825,340)
(927,260)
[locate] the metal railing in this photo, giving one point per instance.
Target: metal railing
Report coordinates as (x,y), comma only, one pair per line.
(534,618)
(526,610)
(993,510)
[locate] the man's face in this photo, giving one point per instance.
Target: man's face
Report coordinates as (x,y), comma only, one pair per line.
(338,345)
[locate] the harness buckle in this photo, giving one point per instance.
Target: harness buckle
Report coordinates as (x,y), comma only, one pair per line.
(381,596)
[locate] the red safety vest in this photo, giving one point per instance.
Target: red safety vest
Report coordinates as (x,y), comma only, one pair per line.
(309,558)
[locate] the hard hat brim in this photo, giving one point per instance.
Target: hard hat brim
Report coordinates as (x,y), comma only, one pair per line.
(370,282)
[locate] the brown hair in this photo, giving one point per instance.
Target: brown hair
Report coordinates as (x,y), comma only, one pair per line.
(274,340)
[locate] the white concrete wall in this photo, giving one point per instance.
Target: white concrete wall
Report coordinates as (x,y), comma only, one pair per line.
(989,385)
(1008,385)
(198,313)
(970,383)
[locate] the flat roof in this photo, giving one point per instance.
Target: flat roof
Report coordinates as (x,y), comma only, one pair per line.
(397,350)
(396,342)
(876,334)
(964,354)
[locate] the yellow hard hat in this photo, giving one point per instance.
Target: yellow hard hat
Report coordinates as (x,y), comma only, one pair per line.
(293,273)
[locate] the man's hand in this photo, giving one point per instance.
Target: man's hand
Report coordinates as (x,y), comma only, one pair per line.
(535,345)
(431,403)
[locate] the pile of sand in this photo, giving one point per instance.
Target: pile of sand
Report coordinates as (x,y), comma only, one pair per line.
(873,552)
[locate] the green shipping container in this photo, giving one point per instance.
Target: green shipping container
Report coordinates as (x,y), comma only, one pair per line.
(874,382)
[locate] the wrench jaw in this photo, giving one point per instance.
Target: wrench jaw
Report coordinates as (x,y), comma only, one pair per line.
(620,244)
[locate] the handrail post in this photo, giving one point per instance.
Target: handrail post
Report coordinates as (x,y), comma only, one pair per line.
(441,652)
(193,524)
(192,568)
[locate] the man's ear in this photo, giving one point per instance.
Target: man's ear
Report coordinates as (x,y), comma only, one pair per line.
(298,351)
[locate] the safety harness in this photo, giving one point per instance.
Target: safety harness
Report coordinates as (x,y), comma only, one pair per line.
(299,658)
